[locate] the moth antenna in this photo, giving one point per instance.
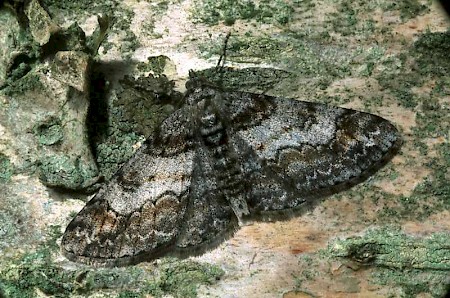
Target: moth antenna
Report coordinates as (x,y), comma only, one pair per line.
(224,52)
(221,63)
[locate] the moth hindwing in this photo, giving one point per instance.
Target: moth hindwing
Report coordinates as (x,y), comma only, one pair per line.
(222,158)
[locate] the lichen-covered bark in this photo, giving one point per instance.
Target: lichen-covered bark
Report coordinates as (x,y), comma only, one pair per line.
(382,57)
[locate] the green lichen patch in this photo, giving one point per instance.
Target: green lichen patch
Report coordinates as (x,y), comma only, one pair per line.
(50,132)
(156,64)
(27,83)
(431,52)
(117,148)
(84,7)
(129,42)
(424,61)
(116,123)
(13,40)
(408,8)
(401,87)
(404,265)
(182,278)
(66,171)
(357,18)
(345,19)
(437,184)
(413,282)
(417,78)
(416,265)
(428,197)
(6,168)
(35,110)
(36,271)
(348,19)
(20,278)
(228,12)
(15,219)
(392,248)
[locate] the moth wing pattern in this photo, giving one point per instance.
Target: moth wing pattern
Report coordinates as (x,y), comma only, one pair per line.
(294,153)
(128,220)
(164,200)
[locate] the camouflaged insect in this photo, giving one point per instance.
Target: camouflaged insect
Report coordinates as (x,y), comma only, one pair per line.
(225,158)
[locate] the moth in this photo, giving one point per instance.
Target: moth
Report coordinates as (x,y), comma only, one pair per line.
(225,158)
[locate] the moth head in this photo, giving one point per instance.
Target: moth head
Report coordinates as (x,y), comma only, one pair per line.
(200,90)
